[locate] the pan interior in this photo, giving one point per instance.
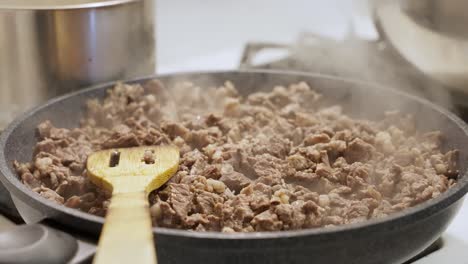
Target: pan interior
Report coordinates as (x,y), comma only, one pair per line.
(358,100)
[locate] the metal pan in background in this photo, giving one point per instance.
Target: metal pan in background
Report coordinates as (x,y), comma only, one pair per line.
(430,34)
(392,239)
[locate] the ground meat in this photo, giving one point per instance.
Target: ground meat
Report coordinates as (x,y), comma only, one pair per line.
(358,150)
(233,179)
(180,197)
(148,157)
(266,221)
(278,160)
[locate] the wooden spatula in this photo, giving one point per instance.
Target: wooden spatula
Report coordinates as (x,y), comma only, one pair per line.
(131,174)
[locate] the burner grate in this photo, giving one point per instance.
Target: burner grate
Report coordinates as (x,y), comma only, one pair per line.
(438,244)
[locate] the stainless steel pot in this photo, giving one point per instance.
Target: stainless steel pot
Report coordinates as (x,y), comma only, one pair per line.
(49,47)
(432,35)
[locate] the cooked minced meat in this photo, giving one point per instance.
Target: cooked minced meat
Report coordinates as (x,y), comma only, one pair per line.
(279,160)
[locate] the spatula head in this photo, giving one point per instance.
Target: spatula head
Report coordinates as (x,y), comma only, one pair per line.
(133,169)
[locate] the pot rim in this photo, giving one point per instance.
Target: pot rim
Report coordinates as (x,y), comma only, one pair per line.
(59,4)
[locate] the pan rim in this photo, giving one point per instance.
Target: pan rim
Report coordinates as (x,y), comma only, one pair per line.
(407,215)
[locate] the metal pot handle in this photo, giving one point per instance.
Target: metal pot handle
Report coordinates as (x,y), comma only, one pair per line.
(252,49)
(36,243)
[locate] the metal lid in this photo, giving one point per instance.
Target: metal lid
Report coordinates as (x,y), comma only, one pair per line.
(58,4)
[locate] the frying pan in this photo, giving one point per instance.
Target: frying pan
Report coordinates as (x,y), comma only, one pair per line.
(393,239)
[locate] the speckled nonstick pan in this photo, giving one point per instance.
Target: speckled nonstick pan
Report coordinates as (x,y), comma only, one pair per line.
(393,239)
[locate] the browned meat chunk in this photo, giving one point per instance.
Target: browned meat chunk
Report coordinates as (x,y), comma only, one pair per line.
(233,180)
(358,150)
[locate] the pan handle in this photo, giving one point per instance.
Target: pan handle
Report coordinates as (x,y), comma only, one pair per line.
(36,243)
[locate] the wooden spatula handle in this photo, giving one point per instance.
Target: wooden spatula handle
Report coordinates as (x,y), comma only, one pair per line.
(127,236)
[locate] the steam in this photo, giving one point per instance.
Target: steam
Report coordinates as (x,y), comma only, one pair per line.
(189,99)
(374,62)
